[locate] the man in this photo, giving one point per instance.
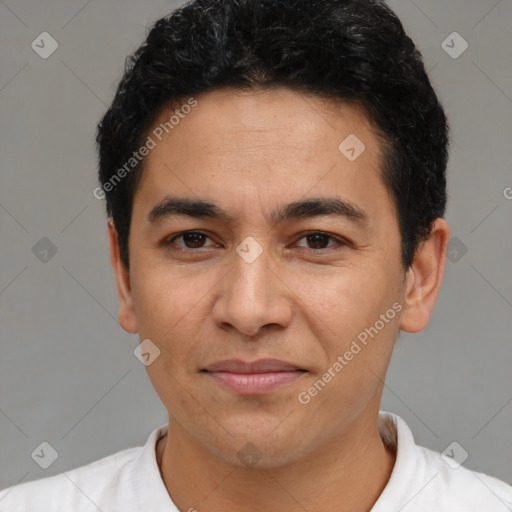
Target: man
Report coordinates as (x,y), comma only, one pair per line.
(274,173)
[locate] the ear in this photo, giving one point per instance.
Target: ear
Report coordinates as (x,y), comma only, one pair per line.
(424,278)
(127,317)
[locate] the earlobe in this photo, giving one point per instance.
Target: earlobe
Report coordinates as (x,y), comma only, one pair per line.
(424,278)
(127,317)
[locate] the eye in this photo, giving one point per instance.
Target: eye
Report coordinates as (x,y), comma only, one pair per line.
(320,240)
(191,239)
(194,240)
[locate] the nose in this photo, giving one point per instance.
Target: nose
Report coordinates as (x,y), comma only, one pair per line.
(253,297)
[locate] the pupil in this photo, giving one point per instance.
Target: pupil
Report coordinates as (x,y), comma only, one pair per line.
(314,239)
(193,238)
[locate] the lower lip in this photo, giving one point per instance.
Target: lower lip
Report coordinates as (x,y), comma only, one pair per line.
(255,383)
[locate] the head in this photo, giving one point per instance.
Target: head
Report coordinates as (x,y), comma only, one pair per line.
(274,176)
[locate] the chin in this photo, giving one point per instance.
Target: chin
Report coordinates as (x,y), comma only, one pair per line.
(260,444)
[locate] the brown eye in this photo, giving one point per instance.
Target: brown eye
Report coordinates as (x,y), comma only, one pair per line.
(191,240)
(317,241)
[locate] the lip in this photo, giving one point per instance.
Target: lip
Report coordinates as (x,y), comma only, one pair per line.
(252,378)
(258,366)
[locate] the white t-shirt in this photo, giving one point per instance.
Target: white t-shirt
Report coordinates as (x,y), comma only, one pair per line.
(130,481)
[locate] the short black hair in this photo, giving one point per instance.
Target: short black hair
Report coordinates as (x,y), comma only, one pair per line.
(355,51)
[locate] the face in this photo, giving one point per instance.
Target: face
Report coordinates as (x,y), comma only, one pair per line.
(254,276)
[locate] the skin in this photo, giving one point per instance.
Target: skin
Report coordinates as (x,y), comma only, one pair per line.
(250,152)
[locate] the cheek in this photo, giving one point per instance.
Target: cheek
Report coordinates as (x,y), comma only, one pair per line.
(344,309)
(164,300)
(344,300)
(353,376)
(171,311)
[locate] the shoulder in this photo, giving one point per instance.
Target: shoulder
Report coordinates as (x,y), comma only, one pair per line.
(425,480)
(78,489)
(451,486)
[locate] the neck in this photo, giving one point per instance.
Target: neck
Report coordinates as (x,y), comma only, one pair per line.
(347,474)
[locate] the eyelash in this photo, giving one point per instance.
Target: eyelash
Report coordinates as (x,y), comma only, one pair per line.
(168,242)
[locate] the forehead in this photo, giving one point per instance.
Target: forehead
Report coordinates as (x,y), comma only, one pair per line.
(231,115)
(257,147)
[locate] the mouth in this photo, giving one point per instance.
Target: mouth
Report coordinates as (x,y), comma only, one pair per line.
(253,378)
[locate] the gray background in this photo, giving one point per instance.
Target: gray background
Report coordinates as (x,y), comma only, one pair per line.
(68,375)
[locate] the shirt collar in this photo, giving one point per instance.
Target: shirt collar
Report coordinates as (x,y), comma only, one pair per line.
(398,437)
(148,488)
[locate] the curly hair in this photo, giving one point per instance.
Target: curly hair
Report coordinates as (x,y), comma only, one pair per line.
(354,51)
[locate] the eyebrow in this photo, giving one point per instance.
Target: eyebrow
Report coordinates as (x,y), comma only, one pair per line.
(309,208)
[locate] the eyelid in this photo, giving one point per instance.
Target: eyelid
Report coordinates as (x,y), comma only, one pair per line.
(340,241)
(167,241)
